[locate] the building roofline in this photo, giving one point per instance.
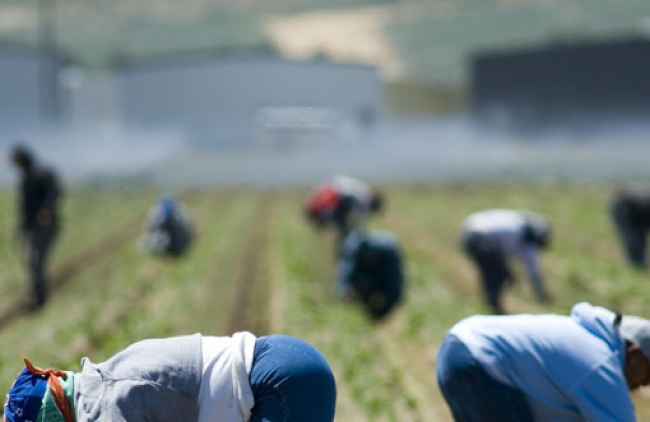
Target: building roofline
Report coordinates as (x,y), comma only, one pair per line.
(561,44)
(222,55)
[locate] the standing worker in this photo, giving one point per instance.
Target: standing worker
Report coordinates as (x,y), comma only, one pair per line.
(630,210)
(492,237)
(545,367)
(38,199)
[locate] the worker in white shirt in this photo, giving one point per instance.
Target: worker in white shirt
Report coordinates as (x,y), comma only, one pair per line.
(491,238)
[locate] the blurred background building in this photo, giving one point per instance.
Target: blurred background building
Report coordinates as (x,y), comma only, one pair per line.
(234,100)
(583,84)
(30,92)
(398,90)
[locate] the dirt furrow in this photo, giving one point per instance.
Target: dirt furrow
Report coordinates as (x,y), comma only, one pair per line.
(291,288)
(415,389)
(417,371)
(140,297)
(82,260)
(98,250)
(249,301)
(74,265)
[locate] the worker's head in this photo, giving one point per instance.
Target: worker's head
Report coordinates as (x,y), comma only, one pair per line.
(167,204)
(40,394)
(22,157)
(377,201)
(636,332)
(537,231)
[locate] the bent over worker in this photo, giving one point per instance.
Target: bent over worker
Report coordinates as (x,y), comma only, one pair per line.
(242,378)
(545,367)
(492,238)
(343,202)
(169,229)
(370,270)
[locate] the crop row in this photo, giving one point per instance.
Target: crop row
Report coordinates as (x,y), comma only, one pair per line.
(256,265)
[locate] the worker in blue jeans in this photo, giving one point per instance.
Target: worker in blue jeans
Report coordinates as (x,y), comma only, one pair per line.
(239,378)
(469,390)
(549,367)
(291,381)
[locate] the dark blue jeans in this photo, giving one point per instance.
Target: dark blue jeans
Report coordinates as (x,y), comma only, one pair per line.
(632,232)
(291,382)
(493,267)
(472,394)
(38,243)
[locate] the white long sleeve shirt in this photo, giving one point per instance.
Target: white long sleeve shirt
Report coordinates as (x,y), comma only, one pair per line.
(506,229)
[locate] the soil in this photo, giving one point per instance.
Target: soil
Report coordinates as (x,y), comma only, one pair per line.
(249,309)
(81,261)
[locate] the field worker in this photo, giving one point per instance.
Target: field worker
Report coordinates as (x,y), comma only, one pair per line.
(343,202)
(242,378)
(492,237)
(545,367)
(370,271)
(38,201)
(169,229)
(630,211)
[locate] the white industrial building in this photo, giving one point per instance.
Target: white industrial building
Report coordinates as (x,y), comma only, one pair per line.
(229,100)
(126,119)
(209,100)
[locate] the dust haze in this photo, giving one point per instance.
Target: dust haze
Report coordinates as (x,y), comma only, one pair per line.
(452,148)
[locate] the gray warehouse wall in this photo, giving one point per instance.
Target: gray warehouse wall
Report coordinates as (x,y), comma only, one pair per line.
(221,100)
(582,81)
(29,92)
(20,95)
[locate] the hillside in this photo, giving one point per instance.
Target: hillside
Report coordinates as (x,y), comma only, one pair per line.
(422,40)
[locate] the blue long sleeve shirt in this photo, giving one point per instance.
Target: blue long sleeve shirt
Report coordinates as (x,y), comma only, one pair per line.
(569,367)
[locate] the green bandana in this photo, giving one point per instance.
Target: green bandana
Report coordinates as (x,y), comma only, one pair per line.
(49,412)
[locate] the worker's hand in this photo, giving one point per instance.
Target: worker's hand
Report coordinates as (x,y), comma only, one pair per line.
(44,218)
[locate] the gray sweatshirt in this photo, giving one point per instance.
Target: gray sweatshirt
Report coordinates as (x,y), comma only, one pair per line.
(158,379)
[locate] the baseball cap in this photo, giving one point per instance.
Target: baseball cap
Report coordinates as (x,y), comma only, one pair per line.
(636,330)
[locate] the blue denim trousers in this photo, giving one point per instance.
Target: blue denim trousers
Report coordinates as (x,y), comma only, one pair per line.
(38,246)
(291,382)
(632,233)
(492,265)
(472,394)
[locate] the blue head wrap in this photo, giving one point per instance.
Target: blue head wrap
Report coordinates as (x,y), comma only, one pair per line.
(25,397)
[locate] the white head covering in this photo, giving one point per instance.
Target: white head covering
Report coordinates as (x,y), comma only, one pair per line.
(636,330)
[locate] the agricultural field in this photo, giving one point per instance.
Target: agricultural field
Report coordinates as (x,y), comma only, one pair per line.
(256,265)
